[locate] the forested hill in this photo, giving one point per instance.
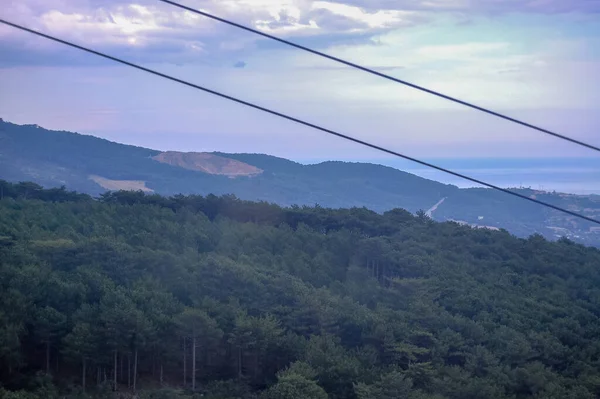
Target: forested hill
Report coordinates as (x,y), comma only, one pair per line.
(92,165)
(235,299)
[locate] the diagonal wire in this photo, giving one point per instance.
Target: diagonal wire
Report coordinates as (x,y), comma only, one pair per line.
(383,75)
(299,121)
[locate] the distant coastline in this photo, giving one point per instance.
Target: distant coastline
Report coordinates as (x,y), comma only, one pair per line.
(569,175)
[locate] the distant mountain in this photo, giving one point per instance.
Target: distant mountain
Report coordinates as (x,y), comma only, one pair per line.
(93,165)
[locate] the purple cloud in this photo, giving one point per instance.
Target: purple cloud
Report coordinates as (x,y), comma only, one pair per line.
(151,31)
(484,6)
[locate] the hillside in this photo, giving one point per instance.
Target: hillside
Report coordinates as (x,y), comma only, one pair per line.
(207,163)
(241,300)
(92,165)
(50,158)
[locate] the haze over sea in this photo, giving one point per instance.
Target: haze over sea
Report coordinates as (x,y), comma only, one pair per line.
(569,175)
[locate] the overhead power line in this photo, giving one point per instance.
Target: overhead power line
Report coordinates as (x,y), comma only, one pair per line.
(383,75)
(299,121)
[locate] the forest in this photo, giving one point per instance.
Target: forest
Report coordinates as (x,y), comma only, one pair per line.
(218,298)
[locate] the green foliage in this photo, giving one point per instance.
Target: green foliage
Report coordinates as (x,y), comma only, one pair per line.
(164,394)
(286,303)
(295,386)
(392,385)
(18,395)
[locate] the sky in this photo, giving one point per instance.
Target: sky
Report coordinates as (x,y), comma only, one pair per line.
(538,60)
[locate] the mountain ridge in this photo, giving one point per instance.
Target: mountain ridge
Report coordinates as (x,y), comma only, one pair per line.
(79,162)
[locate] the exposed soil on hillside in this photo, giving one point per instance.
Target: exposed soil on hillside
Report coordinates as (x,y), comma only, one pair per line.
(115,185)
(207,163)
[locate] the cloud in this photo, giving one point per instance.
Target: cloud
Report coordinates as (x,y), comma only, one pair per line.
(132,29)
(483,6)
(152,31)
(462,51)
(380,19)
(148,29)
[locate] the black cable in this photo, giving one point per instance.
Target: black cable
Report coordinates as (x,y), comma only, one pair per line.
(299,121)
(382,75)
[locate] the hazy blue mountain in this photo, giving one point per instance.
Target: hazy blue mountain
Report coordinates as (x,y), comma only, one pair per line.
(93,165)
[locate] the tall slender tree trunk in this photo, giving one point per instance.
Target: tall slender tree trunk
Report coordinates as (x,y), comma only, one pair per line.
(83,373)
(135,369)
(115,372)
(48,357)
(184,363)
(153,362)
(121,362)
(161,374)
(239,362)
(256,365)
(129,370)
(194,363)
(97,375)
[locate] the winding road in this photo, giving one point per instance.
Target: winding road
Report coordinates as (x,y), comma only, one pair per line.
(433,208)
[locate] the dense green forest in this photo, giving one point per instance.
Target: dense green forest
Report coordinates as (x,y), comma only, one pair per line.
(215,297)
